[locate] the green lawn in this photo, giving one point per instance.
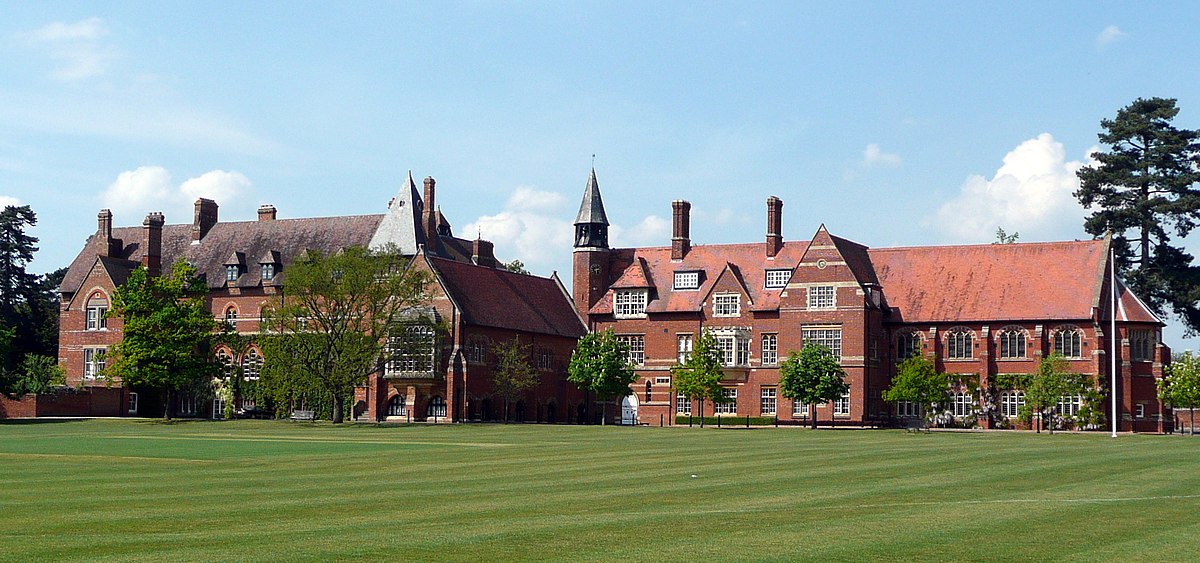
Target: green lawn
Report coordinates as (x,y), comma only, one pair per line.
(135,489)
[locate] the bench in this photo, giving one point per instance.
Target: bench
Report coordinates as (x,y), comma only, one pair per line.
(304,415)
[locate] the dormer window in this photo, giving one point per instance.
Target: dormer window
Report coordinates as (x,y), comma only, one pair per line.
(235,266)
(778,278)
(269,265)
(687,280)
(629,304)
(727,305)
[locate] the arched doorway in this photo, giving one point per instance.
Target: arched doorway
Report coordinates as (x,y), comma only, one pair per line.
(629,409)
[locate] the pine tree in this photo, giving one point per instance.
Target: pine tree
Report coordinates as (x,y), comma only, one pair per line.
(1146,185)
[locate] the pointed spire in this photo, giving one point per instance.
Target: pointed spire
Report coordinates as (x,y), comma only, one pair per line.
(591,210)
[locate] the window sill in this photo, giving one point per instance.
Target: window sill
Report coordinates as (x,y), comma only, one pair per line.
(1012,359)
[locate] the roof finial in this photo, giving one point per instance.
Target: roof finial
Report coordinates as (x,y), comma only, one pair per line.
(593,161)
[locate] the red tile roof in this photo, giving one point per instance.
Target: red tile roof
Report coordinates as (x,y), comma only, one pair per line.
(749,260)
(1053,280)
(495,297)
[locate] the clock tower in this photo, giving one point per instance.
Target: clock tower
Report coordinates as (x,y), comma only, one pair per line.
(589,281)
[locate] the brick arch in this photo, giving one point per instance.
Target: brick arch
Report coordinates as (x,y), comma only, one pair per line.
(959,328)
(1009,347)
(901,337)
(93,293)
(1056,345)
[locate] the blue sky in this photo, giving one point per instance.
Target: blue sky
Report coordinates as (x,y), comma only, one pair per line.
(892,123)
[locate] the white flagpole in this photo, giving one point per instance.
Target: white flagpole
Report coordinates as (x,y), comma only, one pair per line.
(1113,331)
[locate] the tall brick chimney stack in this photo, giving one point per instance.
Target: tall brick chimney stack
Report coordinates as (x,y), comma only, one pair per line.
(266,212)
(429,215)
(152,241)
(681,241)
(109,245)
(203,219)
(483,253)
(774,225)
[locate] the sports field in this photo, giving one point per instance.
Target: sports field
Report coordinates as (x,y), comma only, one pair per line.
(263,490)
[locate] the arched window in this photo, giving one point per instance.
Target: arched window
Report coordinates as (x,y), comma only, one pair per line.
(1012,343)
(908,344)
(963,403)
(397,406)
(231,314)
(226,362)
(960,344)
(1011,402)
(1068,342)
(251,364)
(97,307)
(437,407)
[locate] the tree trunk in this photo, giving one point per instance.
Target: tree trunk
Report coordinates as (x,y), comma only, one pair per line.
(1192,427)
(506,411)
(812,411)
(167,402)
(337,408)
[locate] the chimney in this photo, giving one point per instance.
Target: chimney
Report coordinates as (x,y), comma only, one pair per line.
(429,215)
(152,243)
(774,225)
(110,246)
(681,241)
(203,219)
(483,253)
(266,212)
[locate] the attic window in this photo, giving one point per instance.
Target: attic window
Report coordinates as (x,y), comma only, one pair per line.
(232,272)
(268,272)
(687,280)
(629,304)
(778,278)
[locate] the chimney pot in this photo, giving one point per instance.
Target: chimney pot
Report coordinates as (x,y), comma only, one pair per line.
(266,212)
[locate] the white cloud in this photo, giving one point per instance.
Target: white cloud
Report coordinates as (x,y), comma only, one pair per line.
(80,48)
(6,201)
(149,188)
(1031,193)
(532,224)
(874,156)
(652,231)
(1110,35)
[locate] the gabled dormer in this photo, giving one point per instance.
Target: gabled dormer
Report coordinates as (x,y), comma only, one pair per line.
(834,272)
(632,291)
(269,264)
(235,266)
(728,297)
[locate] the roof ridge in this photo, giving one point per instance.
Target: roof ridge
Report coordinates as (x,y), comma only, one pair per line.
(983,245)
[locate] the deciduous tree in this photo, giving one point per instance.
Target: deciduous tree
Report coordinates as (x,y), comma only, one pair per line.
(600,365)
(513,374)
(919,382)
(1046,387)
(168,332)
(1180,385)
(1146,184)
(812,376)
(343,317)
(699,378)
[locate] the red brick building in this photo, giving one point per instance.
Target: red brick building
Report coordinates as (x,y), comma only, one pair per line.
(245,265)
(981,312)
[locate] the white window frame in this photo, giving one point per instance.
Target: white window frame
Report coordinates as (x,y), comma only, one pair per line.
(770,349)
(637,348)
(826,337)
(768,401)
(93,362)
(841,405)
(1011,402)
(683,405)
(799,408)
(907,409)
(727,305)
(267,272)
(132,405)
(252,362)
(1139,410)
(822,297)
(413,349)
(683,348)
(232,272)
(734,346)
(1069,405)
(1018,340)
(909,344)
(684,281)
(629,304)
(1068,343)
(962,404)
(662,380)
(777,278)
(728,407)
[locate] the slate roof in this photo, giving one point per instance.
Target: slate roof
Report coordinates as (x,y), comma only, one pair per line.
(591,209)
(749,260)
(252,239)
(495,297)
